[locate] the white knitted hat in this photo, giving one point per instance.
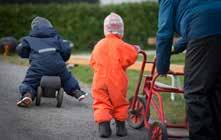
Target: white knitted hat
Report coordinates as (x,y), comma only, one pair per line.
(113,24)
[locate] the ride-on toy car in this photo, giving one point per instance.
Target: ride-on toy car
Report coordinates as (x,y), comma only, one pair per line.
(50,87)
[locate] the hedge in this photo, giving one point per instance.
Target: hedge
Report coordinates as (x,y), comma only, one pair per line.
(81,23)
(45,1)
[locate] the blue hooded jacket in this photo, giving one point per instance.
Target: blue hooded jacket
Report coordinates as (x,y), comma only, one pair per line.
(191,19)
(45,49)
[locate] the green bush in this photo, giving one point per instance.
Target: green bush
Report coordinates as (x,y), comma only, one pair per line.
(81,23)
(46,1)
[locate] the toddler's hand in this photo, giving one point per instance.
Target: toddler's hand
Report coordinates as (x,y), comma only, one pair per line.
(137,47)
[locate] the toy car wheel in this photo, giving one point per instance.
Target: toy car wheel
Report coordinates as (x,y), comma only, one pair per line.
(136,115)
(158,131)
(38,97)
(59,97)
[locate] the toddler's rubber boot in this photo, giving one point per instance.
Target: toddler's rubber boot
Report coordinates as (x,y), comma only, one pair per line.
(104,129)
(121,129)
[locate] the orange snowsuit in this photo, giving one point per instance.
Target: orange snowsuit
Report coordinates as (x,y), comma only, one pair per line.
(110,58)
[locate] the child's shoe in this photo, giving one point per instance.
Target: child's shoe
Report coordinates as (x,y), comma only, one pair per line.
(121,130)
(26,100)
(104,129)
(79,94)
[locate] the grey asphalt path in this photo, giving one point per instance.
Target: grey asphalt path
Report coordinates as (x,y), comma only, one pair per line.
(73,121)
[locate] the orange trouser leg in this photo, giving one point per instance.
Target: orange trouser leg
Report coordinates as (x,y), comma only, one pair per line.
(101,105)
(118,96)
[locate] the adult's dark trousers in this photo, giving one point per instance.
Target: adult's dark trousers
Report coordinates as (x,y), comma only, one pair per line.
(202,88)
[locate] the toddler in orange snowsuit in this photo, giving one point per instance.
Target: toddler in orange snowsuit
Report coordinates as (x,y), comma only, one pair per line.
(109,60)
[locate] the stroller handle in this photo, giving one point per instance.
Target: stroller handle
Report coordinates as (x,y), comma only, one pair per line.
(142,70)
(166,89)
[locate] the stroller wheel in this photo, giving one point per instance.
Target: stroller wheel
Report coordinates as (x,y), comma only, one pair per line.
(38,97)
(158,131)
(59,97)
(136,115)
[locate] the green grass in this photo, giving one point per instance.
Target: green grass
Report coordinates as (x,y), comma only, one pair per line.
(83,73)
(175,59)
(178,59)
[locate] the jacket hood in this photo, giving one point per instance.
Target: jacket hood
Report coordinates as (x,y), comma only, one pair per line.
(42,27)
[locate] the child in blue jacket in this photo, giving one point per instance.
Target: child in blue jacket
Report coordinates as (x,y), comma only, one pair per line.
(47,53)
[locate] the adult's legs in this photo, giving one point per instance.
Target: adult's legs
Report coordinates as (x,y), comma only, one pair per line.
(215,99)
(201,70)
(215,102)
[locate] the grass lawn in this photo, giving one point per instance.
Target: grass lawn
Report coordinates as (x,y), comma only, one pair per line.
(174,110)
